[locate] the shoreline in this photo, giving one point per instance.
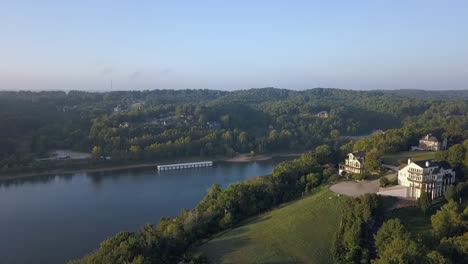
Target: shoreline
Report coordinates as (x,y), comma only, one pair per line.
(259,157)
(240,158)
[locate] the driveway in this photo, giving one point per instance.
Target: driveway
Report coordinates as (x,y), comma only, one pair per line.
(356,189)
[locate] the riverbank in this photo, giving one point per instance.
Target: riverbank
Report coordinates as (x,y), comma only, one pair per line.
(237,158)
(247,157)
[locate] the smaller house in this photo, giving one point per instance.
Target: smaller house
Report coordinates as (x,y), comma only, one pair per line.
(354,163)
(124,125)
(137,106)
(322,114)
(430,142)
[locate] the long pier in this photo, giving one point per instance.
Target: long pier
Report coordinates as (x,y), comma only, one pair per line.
(178,166)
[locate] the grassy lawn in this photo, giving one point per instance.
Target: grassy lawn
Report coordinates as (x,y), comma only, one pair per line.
(298,232)
(393,159)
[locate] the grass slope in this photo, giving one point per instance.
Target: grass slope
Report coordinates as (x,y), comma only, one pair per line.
(300,232)
(393,159)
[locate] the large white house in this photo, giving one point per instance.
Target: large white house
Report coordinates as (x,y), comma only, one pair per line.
(430,176)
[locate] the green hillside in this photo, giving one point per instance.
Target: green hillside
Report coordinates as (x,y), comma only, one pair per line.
(299,232)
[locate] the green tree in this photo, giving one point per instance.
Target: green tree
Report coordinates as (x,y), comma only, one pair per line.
(179,112)
(96,152)
(243,138)
(456,155)
(424,202)
(456,248)
(335,133)
(323,154)
(357,176)
(372,161)
(465,145)
(447,221)
(390,229)
(134,149)
(451,193)
(435,257)
(400,251)
(226,120)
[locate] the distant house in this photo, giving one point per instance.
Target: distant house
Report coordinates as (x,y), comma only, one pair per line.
(353,164)
(433,177)
(430,142)
(124,125)
(213,124)
(322,114)
(137,106)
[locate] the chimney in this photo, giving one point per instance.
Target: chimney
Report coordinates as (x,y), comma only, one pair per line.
(409,160)
(427,163)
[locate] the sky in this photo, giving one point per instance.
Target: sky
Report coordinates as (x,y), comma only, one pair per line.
(230,45)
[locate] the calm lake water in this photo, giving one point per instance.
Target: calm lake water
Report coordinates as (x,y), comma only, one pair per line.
(51,219)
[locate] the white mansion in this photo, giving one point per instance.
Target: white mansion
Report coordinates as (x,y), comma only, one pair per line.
(431,176)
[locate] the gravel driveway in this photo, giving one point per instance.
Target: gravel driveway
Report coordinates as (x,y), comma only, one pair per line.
(356,189)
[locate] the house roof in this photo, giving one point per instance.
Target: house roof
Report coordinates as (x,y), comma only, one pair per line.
(430,137)
(359,154)
(432,163)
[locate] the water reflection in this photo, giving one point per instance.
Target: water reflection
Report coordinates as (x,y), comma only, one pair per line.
(75,212)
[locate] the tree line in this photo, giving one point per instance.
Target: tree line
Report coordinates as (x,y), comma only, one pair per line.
(135,126)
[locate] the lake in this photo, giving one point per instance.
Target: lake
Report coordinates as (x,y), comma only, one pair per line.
(51,219)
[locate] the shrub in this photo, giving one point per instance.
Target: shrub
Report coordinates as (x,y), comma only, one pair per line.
(357,176)
(383,181)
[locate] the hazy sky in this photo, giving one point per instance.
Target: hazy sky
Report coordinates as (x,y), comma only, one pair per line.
(233,44)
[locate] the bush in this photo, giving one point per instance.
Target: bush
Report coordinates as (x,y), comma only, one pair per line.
(393,181)
(357,176)
(383,181)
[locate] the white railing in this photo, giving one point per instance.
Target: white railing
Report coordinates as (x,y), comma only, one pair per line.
(178,166)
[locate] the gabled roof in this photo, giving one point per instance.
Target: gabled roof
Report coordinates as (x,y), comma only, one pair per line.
(430,137)
(359,154)
(432,163)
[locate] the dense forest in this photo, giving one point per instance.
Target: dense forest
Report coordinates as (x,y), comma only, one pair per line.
(134,126)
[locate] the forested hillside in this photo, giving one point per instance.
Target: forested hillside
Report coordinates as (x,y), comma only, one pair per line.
(165,124)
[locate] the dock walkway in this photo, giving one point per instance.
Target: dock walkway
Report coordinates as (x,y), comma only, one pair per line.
(178,166)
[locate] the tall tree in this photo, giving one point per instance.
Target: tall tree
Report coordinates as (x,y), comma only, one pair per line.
(424,202)
(372,161)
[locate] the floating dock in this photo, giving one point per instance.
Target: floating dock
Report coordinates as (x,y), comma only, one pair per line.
(185,165)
